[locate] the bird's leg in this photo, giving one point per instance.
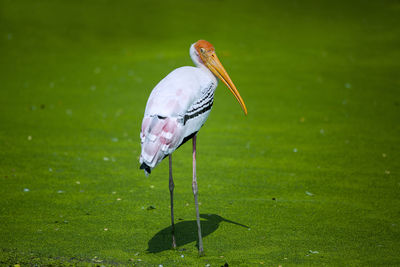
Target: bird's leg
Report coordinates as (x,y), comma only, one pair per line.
(194,187)
(171,191)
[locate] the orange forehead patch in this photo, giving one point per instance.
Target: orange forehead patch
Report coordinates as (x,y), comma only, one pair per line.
(203,44)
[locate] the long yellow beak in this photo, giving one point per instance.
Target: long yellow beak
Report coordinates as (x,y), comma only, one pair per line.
(212,62)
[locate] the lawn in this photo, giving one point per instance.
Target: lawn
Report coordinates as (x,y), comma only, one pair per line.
(309,177)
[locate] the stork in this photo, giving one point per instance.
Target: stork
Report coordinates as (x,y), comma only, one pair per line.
(177,108)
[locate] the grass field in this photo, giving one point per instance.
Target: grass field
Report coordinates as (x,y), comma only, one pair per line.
(312,171)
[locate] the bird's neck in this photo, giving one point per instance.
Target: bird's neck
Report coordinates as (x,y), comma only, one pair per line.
(199,63)
(195,57)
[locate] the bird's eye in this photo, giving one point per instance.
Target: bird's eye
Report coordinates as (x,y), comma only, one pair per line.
(202,50)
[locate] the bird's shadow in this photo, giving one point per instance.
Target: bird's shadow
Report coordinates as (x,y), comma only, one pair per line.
(186,232)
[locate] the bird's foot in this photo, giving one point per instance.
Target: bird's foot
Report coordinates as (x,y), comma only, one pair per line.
(201,252)
(173,242)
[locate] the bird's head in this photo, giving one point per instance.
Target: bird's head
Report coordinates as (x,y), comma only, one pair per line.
(209,58)
(216,219)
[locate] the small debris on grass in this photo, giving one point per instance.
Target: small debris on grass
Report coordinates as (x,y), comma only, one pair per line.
(26,189)
(106,159)
(295,150)
(29,138)
(151,186)
(68,112)
(113,192)
(105,229)
(151,207)
(97,70)
(182,256)
(309,193)
(208,265)
(118,199)
(60,191)
(347,85)
(313,251)
(160,265)
(96,260)
(273,198)
(187,204)
(322,131)
(50,169)
(387,172)
(77,182)
(114,139)
(384,155)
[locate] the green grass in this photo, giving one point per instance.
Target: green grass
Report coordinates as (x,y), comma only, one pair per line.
(313,167)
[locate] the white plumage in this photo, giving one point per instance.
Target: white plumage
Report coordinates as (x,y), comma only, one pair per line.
(177,108)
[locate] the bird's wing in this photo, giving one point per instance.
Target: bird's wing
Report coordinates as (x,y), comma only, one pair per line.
(170,114)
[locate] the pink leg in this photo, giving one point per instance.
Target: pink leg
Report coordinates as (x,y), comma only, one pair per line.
(194,187)
(171,191)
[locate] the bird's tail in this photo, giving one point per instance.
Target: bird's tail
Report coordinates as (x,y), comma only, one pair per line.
(159,137)
(146,168)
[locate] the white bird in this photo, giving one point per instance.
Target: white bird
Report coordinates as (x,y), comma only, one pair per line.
(176,110)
